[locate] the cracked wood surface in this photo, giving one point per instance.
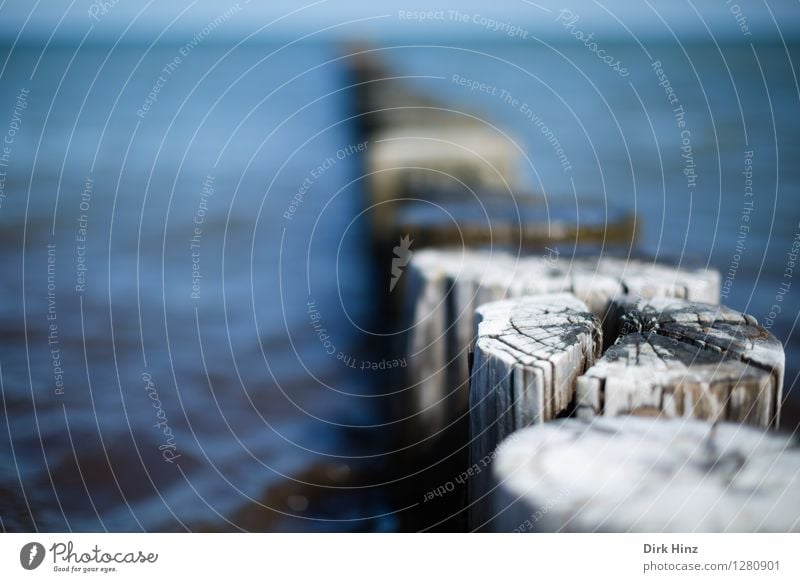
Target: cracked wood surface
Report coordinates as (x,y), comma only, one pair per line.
(634,474)
(527,357)
(445,287)
(676,358)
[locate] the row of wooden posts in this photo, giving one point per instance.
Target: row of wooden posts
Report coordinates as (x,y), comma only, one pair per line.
(588,391)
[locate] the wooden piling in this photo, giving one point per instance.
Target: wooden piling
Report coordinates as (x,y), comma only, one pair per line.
(509,338)
(679,358)
(457,217)
(445,287)
(435,168)
(633,474)
(385,100)
(527,358)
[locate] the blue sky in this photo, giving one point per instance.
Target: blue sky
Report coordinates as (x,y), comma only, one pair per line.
(35,20)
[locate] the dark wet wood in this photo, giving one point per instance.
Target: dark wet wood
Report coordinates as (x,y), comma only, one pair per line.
(510,220)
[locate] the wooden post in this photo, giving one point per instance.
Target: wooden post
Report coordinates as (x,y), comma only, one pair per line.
(445,287)
(676,358)
(419,146)
(456,216)
(443,177)
(431,165)
(527,357)
(385,99)
(633,474)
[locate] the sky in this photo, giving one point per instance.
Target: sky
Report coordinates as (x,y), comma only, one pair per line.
(37,20)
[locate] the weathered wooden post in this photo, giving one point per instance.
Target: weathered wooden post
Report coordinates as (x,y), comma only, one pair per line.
(385,99)
(672,358)
(420,147)
(528,355)
(425,166)
(439,177)
(445,287)
(634,474)
(677,358)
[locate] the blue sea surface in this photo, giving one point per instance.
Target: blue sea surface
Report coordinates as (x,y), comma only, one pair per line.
(194,385)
